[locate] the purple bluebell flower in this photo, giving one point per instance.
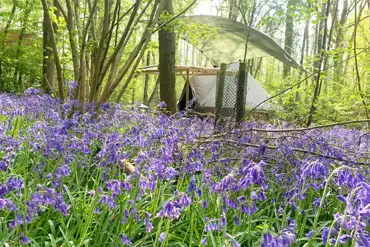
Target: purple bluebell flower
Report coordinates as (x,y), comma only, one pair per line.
(3,165)
(109,201)
(25,239)
(16,222)
(236,221)
(325,235)
(147,223)
(292,224)
(192,185)
(170,210)
(241,198)
(310,234)
(185,201)
(204,241)
(235,243)
(232,204)
(96,210)
(223,222)
(162,105)
(125,240)
(162,237)
(211,226)
(344,238)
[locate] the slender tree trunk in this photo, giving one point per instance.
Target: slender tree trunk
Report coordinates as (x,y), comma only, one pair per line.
(258,67)
(17,76)
(155,91)
(338,69)
(167,53)
(55,51)
(3,41)
(322,52)
(304,44)
(133,92)
(363,98)
(329,40)
(233,10)
(146,81)
(289,31)
(48,63)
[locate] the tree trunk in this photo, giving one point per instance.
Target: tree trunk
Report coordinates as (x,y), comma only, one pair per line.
(146,81)
(167,53)
(133,92)
(289,28)
(322,51)
(233,10)
(17,72)
(338,69)
(155,90)
(48,63)
(55,51)
(304,44)
(363,97)
(3,41)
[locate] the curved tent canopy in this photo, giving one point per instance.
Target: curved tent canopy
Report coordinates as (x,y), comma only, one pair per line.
(228,44)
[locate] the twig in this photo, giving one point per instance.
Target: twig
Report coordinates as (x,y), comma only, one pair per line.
(235,143)
(200,114)
(173,18)
(311,128)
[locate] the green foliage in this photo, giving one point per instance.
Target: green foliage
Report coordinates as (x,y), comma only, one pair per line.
(20,60)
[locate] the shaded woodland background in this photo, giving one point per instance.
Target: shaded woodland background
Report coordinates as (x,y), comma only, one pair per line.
(101,43)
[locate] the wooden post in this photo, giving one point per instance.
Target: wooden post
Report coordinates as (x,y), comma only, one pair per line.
(220,92)
(187,96)
(240,92)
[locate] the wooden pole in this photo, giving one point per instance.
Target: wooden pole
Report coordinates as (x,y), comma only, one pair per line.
(187,86)
(220,92)
(240,92)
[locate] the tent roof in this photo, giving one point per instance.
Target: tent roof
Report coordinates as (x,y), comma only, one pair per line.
(154,70)
(228,44)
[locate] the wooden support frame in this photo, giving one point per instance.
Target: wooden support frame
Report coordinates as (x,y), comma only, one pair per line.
(153,69)
(240,92)
(220,92)
(179,70)
(187,96)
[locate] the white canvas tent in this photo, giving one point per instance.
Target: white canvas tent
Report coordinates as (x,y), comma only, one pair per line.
(201,85)
(204,90)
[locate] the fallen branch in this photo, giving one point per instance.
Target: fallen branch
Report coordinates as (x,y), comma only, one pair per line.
(235,143)
(311,128)
(200,114)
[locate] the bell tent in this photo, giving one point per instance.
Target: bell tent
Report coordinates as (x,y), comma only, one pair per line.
(203,91)
(226,45)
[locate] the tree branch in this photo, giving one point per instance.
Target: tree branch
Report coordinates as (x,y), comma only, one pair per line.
(173,18)
(276,147)
(60,8)
(311,128)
